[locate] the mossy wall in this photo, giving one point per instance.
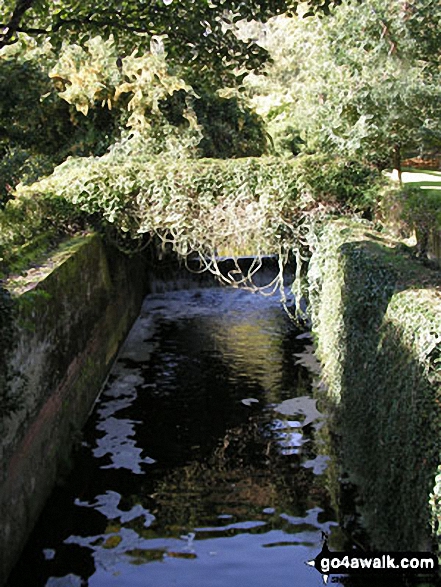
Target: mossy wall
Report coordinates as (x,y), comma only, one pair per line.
(377,322)
(71,315)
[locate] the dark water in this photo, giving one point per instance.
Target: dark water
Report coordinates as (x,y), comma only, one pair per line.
(202,462)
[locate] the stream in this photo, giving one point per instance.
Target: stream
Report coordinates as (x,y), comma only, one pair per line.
(202,462)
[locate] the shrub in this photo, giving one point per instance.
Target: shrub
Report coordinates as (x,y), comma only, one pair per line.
(229,128)
(377,321)
(421,209)
(350,184)
(410,208)
(18,164)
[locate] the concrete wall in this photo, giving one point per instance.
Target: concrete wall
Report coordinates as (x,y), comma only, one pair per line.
(73,314)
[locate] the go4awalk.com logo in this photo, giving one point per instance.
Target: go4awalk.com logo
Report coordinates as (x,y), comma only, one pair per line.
(356,562)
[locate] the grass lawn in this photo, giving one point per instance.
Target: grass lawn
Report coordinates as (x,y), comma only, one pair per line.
(426,180)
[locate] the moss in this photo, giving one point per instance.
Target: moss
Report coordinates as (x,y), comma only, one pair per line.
(34,302)
(24,255)
(377,318)
(32,227)
(43,265)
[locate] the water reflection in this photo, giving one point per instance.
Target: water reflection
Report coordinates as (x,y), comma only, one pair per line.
(199,465)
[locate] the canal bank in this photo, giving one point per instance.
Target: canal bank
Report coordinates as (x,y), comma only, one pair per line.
(71,315)
(376,315)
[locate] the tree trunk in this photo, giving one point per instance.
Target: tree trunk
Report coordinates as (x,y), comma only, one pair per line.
(397,162)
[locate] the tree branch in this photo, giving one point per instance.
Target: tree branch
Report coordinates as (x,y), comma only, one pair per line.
(11,28)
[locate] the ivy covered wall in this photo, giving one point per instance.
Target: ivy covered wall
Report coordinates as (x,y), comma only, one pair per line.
(377,322)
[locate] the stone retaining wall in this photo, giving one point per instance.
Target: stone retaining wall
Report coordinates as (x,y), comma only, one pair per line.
(73,314)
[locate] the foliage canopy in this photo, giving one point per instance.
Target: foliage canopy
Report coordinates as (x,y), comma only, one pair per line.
(198,32)
(364,82)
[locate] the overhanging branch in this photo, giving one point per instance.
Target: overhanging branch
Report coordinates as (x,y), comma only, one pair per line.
(10,29)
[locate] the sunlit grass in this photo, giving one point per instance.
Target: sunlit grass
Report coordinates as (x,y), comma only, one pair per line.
(426,180)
